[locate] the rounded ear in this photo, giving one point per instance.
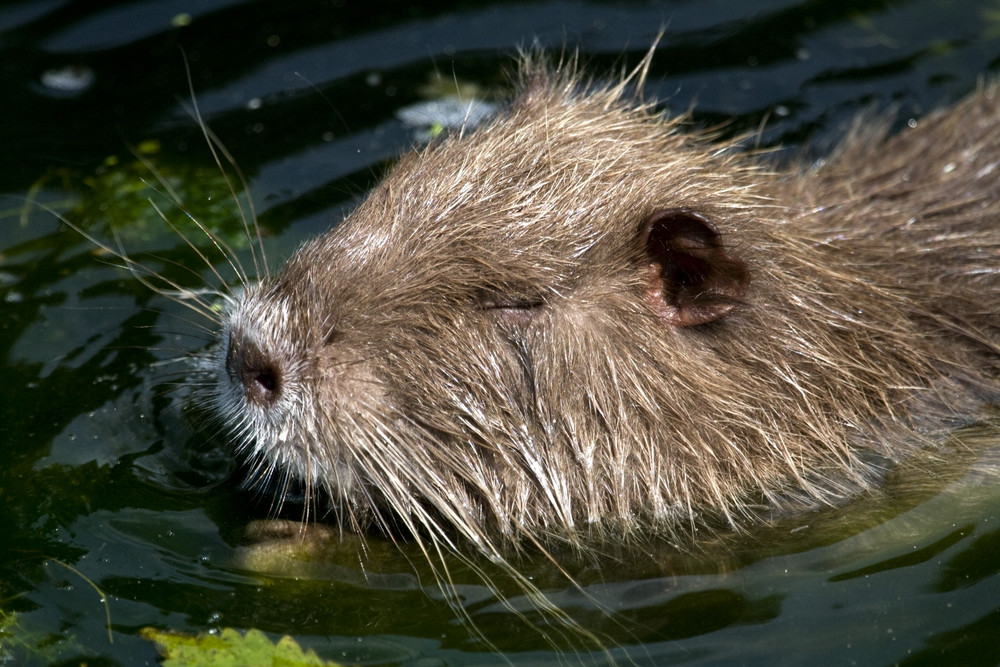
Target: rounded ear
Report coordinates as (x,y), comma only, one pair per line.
(691,278)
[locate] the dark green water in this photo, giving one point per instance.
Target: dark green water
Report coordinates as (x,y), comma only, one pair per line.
(102,471)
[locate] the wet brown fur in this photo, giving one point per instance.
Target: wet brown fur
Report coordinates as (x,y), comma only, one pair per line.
(484,351)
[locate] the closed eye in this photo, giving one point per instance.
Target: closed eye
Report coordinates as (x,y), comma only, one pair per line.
(518,311)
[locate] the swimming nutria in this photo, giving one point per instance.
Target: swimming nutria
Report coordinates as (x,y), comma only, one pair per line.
(583,320)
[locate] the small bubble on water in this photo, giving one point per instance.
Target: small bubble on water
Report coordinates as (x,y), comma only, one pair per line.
(69,80)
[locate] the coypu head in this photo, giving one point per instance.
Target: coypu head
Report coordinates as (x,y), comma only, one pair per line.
(576,319)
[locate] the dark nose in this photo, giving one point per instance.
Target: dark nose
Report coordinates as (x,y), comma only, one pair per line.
(251,368)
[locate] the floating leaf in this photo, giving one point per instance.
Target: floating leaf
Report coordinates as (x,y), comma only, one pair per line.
(231,648)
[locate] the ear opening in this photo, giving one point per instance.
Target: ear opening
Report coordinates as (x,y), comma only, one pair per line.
(691,278)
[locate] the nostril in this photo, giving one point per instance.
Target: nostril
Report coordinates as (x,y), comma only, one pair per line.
(252,369)
(267,381)
(261,384)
